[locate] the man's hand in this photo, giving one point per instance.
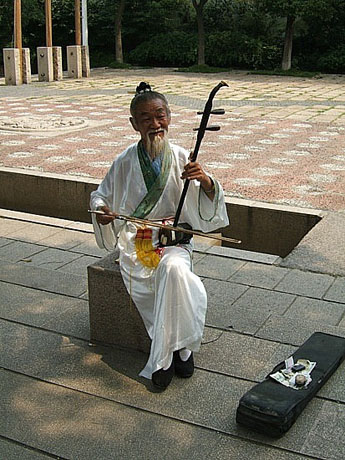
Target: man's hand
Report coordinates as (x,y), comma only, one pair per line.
(193,170)
(107,217)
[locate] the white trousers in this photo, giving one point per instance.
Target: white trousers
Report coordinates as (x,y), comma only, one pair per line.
(172,303)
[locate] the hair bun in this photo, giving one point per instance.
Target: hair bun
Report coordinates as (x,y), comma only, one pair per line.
(142,88)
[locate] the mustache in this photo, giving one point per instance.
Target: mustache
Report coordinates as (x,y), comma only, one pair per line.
(156,131)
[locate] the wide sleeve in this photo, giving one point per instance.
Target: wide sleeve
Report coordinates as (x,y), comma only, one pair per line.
(106,235)
(202,213)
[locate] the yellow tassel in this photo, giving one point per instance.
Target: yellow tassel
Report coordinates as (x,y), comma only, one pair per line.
(146,253)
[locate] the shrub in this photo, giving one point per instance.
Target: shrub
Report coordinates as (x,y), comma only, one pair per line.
(172,49)
(333,62)
(221,49)
(201,69)
(225,49)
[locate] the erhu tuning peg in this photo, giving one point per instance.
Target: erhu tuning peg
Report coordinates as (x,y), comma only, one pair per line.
(209,128)
(214,112)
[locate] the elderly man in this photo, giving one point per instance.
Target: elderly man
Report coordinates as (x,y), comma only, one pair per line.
(146,181)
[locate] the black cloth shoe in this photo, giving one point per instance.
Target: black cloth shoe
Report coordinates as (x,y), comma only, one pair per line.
(161,379)
(184,369)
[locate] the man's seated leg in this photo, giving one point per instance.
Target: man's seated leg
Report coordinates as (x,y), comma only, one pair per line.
(180,307)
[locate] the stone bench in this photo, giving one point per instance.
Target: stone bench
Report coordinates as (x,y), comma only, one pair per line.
(114,317)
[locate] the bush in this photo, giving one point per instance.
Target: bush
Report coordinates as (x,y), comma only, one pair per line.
(172,50)
(333,62)
(221,49)
(225,49)
(101,58)
(201,69)
(255,54)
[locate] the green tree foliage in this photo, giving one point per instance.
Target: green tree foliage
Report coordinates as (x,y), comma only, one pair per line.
(317,23)
(175,49)
(239,33)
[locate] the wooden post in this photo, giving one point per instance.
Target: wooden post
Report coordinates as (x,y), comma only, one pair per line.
(77,22)
(49,26)
(18,25)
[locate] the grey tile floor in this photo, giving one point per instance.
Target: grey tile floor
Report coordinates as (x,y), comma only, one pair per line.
(65,398)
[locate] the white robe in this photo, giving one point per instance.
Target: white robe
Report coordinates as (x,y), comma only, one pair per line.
(171,299)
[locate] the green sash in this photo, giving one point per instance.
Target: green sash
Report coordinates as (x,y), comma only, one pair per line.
(154,184)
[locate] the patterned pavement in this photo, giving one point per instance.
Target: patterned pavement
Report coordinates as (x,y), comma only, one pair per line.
(282,139)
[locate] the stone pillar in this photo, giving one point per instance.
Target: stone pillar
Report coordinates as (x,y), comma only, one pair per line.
(74,63)
(85,58)
(26,70)
(12,67)
(45,63)
(57,63)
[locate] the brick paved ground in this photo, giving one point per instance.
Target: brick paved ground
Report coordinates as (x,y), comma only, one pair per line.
(282,139)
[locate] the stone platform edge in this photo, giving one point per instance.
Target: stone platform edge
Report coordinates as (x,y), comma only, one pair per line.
(263,227)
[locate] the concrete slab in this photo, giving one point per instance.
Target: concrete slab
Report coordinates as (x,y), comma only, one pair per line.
(68,424)
(4,241)
(198,256)
(73,322)
(8,227)
(217,267)
(41,278)
(12,450)
(327,433)
(32,232)
(240,356)
(18,250)
(305,283)
(337,291)
(259,275)
(52,258)
(74,368)
(65,239)
(265,300)
(221,295)
(305,309)
(26,305)
(89,247)
(322,249)
(244,255)
(289,330)
(78,266)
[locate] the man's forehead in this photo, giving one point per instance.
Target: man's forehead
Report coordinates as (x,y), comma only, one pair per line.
(155,106)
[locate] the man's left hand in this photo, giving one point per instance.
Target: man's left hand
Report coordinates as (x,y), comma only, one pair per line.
(194,171)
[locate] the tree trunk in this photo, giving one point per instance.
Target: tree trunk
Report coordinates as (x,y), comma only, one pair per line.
(118,32)
(201,30)
(287,53)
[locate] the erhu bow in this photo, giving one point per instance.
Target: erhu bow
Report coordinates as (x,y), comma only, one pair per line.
(201,131)
(171,228)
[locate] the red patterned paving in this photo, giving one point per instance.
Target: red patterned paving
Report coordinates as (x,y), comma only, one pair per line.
(266,159)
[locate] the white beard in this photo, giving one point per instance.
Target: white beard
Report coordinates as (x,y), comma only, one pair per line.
(156,147)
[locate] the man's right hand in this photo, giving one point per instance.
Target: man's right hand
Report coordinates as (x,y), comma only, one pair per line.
(107,217)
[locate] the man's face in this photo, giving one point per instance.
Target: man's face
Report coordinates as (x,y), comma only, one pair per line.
(151,120)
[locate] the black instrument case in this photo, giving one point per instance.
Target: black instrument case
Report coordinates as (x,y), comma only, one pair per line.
(270,407)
